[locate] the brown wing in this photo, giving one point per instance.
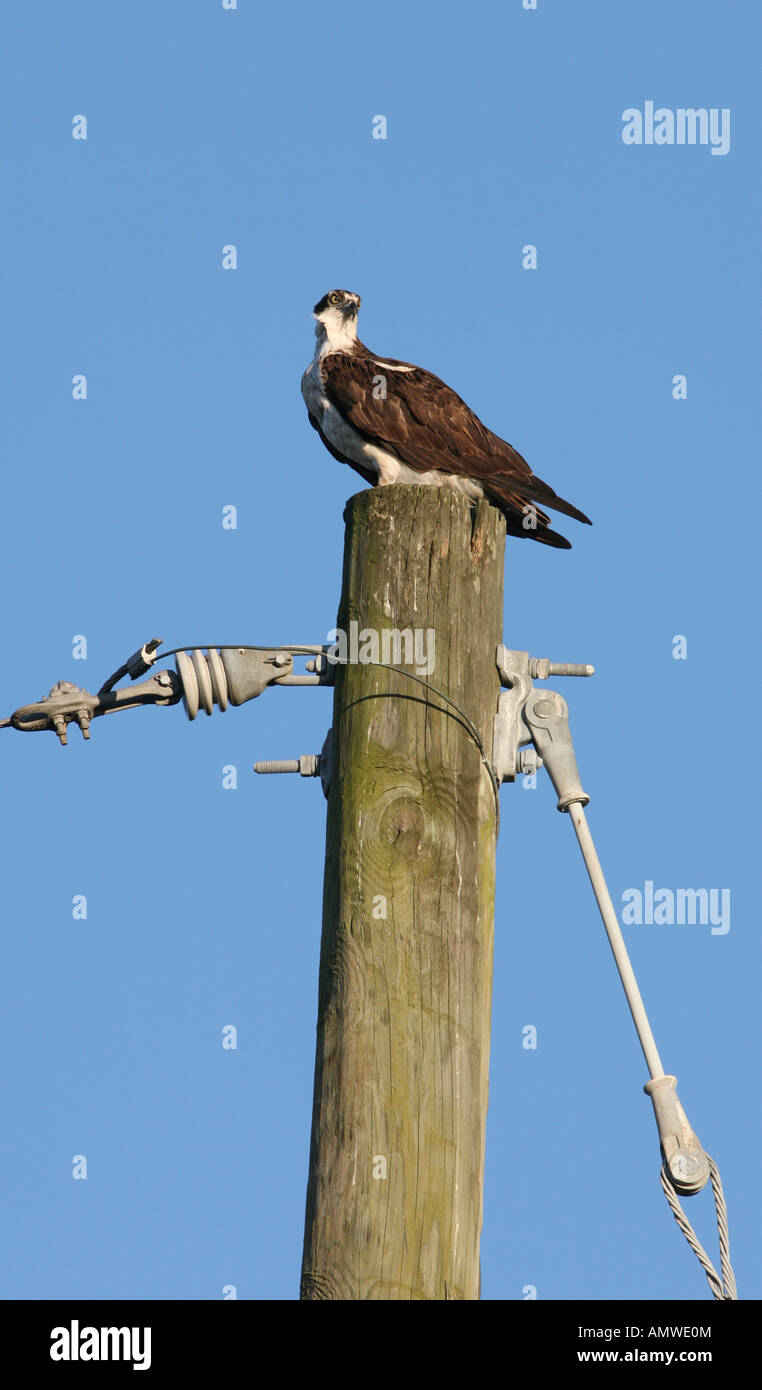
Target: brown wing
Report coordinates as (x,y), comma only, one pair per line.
(425,424)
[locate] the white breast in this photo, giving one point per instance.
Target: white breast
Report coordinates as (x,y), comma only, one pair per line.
(340,434)
(312,390)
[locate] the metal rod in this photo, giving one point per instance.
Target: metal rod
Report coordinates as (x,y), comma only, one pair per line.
(616,940)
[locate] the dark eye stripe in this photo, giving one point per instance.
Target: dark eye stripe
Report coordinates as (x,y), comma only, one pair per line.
(328,299)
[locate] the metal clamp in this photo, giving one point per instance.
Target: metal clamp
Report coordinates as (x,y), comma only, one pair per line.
(68,703)
(546,715)
(203,679)
(526,716)
(684,1158)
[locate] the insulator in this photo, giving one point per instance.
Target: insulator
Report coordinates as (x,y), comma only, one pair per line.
(219,679)
(203,679)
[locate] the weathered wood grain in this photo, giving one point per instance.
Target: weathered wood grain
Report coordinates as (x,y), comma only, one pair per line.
(401,1073)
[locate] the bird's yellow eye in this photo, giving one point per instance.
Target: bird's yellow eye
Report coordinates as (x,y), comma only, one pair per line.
(334,298)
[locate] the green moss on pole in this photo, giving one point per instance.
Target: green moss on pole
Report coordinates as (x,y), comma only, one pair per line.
(394,1199)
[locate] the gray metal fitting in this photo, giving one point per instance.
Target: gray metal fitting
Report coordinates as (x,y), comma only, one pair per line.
(319,665)
(540,668)
(309,764)
(529,761)
(684,1158)
(546,716)
(528,716)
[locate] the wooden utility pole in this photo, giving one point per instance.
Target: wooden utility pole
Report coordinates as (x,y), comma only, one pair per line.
(395,1191)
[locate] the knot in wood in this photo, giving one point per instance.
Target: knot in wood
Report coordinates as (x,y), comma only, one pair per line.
(403,827)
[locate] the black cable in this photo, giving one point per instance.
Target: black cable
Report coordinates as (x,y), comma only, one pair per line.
(468,723)
(336,661)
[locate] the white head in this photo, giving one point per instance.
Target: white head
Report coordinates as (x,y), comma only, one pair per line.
(336,320)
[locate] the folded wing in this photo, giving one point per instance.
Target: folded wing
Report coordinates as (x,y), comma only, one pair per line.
(423,422)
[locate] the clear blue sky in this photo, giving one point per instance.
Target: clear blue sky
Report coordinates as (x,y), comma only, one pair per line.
(253,127)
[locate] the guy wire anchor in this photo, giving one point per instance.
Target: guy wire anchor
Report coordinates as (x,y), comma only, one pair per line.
(541,718)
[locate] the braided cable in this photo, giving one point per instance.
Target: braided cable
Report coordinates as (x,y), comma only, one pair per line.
(722,1288)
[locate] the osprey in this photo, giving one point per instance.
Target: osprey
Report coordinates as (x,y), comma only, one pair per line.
(396,423)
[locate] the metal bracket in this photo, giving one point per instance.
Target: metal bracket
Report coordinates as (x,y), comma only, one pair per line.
(526,716)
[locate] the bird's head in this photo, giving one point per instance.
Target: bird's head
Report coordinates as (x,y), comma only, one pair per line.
(336,318)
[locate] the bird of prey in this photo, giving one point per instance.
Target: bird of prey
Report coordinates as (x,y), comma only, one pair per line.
(396,423)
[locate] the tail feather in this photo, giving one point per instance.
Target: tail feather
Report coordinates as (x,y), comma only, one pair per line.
(527,519)
(541,532)
(545,494)
(531,489)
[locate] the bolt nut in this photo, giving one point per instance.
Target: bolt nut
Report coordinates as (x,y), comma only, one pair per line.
(528,760)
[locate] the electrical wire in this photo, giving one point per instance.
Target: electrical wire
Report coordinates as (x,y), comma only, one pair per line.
(293,650)
(467,722)
(315,650)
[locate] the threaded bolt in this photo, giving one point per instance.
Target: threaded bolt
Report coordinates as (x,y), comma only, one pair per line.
(308,765)
(540,668)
